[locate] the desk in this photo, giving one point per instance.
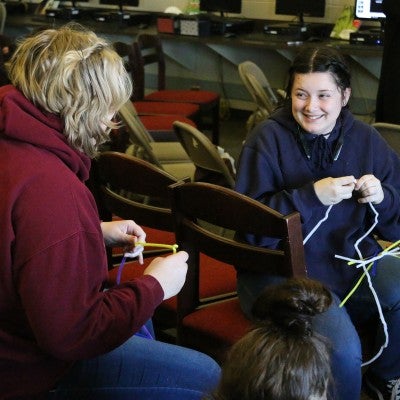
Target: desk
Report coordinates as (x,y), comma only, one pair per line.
(211,62)
(217,58)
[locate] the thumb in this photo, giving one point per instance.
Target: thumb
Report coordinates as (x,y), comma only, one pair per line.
(347,180)
(179,257)
(127,239)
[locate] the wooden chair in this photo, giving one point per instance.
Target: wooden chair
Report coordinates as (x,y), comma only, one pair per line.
(148,51)
(213,327)
(119,174)
(169,156)
(204,155)
(159,115)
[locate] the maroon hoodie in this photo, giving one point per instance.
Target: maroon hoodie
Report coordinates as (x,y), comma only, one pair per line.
(53,310)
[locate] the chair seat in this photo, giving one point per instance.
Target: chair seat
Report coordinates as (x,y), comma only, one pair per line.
(133,269)
(216,278)
(163,122)
(174,158)
(170,152)
(200,97)
(215,328)
(167,152)
(207,101)
(188,110)
(161,128)
(180,170)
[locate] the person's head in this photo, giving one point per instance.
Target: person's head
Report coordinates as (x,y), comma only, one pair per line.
(318,88)
(281,358)
(76,75)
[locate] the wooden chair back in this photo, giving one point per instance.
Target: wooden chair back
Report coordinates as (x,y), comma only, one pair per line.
(197,207)
(121,174)
(132,188)
(150,51)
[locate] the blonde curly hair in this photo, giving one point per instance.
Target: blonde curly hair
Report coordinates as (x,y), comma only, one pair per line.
(76,75)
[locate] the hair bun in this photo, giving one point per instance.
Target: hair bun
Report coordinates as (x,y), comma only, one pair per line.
(292,304)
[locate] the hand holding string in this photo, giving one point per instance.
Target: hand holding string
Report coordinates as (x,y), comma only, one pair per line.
(333,190)
(370,189)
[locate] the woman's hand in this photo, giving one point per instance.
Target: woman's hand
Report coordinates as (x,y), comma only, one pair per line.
(370,189)
(123,233)
(170,272)
(334,190)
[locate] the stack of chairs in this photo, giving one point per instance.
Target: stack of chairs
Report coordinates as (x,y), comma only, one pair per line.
(156,116)
(148,51)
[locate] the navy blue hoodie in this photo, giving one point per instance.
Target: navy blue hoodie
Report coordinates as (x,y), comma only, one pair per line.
(274,169)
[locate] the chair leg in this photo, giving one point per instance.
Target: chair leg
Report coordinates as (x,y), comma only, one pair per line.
(215,124)
(209,121)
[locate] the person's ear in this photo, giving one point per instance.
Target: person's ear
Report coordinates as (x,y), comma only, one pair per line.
(346,97)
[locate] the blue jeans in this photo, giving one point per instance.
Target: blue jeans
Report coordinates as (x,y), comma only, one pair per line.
(337,324)
(141,369)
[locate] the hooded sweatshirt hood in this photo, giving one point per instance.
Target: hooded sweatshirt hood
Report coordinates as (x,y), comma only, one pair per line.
(320,150)
(20,120)
(284,117)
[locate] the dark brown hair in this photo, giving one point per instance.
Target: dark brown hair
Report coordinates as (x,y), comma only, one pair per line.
(281,358)
(321,59)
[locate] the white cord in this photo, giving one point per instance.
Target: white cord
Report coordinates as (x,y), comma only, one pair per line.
(362,263)
(318,224)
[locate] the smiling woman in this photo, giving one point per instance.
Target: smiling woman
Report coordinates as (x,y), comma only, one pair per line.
(312,156)
(317,102)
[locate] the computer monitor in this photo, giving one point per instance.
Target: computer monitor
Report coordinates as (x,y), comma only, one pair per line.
(120,3)
(68,9)
(221,6)
(300,8)
(369,10)
(121,14)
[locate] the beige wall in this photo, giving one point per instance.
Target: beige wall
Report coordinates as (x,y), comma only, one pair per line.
(259,9)
(255,8)
(215,66)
